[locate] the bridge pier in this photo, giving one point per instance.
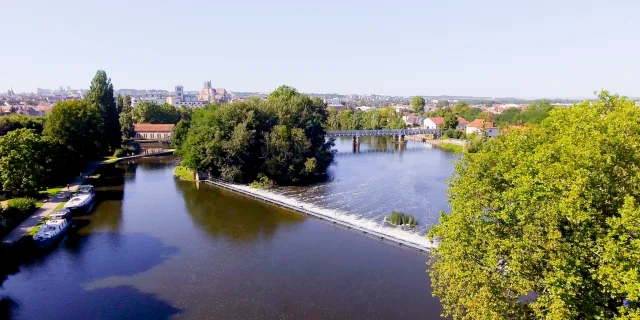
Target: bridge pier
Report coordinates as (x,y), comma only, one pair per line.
(398,138)
(356,144)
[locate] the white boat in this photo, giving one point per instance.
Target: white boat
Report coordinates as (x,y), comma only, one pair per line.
(82,200)
(61,214)
(52,231)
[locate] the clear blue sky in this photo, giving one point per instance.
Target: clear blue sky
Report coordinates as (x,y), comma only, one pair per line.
(560,48)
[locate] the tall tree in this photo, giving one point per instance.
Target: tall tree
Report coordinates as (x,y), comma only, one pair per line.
(418,103)
(23,162)
(545,221)
(119,103)
(79,126)
(101,94)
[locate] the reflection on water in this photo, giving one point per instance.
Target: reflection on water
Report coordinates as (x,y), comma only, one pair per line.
(224,214)
(157,247)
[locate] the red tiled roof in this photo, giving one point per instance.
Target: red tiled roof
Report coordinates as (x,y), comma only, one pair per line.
(479,123)
(461,120)
(153,127)
(437,120)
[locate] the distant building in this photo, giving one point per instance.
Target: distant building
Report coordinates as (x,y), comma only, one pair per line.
(211,95)
(462,124)
(479,126)
(433,122)
(155,98)
(412,119)
(152,131)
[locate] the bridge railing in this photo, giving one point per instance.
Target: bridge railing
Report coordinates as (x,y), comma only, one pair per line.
(390,132)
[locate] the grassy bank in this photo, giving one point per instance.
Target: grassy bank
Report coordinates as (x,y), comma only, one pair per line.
(450,147)
(184,173)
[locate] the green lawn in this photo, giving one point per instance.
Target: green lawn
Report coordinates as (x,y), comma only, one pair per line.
(451,147)
(184,173)
(50,192)
(60,206)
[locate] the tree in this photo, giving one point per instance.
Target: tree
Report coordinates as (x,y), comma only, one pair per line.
(101,95)
(282,138)
(150,112)
(79,126)
(417,103)
(126,125)
(180,133)
(18,121)
(545,220)
(119,103)
(126,104)
(450,121)
(23,162)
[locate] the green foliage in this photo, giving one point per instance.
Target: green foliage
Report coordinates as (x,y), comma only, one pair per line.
(450,147)
(401,219)
(263,182)
(533,114)
(17,121)
(119,103)
(150,112)
(19,207)
(277,137)
(78,126)
(450,121)
(23,162)
(417,103)
(464,110)
(545,221)
(100,94)
(126,125)
(475,142)
(374,119)
(184,173)
(454,134)
(180,132)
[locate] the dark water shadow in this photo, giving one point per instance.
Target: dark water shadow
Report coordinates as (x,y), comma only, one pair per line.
(224,214)
(81,259)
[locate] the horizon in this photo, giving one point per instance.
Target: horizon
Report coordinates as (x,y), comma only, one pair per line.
(492,49)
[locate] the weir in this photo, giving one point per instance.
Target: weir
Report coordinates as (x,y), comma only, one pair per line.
(301,209)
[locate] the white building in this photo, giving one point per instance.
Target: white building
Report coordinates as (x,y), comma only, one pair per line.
(152,131)
(433,122)
(479,126)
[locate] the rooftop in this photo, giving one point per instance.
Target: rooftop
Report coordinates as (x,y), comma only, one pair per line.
(153,127)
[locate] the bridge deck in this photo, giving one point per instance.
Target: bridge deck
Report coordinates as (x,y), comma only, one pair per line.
(394,132)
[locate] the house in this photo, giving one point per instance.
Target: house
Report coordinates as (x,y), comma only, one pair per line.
(153,131)
(462,124)
(412,119)
(433,122)
(478,126)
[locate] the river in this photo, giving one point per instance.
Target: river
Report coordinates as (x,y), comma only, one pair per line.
(157,247)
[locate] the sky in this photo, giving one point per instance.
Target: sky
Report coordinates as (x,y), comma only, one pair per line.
(488,48)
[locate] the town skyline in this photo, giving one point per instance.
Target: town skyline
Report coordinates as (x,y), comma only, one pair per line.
(496,48)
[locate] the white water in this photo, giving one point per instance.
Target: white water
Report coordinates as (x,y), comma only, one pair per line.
(413,237)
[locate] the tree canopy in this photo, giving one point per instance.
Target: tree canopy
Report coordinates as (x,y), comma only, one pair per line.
(282,138)
(17,121)
(77,125)
(534,113)
(23,162)
(100,94)
(545,220)
(417,103)
(150,112)
(374,119)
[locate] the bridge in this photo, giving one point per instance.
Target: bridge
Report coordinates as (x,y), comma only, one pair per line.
(378,133)
(398,134)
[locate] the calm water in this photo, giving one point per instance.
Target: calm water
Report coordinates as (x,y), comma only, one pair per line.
(159,248)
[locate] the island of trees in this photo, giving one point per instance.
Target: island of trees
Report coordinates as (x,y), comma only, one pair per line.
(281,139)
(545,220)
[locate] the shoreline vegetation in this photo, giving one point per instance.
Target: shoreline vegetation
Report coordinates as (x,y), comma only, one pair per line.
(401,219)
(184,173)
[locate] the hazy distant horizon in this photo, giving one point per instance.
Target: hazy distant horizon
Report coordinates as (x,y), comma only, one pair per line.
(497,48)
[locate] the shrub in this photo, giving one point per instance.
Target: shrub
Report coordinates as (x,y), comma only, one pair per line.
(19,208)
(401,219)
(262,183)
(120,153)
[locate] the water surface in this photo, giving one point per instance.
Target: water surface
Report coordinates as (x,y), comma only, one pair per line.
(158,248)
